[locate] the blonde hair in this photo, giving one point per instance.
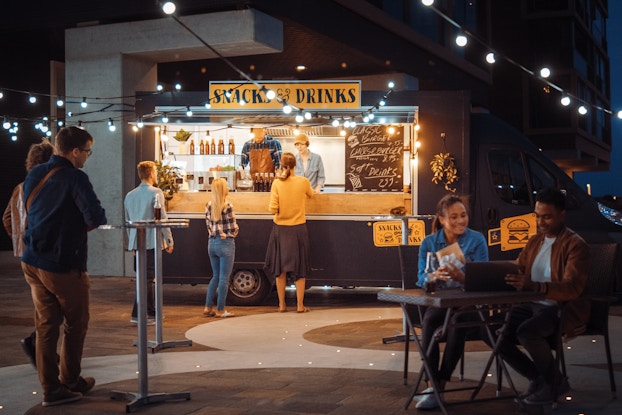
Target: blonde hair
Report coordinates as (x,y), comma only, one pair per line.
(145,168)
(220,190)
(288,163)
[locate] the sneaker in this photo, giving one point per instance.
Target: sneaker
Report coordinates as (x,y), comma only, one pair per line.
(534,385)
(61,396)
(83,385)
(428,401)
(421,395)
(543,396)
(28,346)
(150,320)
(226,314)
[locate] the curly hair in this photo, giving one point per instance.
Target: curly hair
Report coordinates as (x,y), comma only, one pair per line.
(39,153)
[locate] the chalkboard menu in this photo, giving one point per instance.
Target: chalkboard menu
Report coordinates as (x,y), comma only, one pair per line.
(375,159)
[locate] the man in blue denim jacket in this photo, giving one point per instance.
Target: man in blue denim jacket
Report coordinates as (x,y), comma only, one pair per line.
(60,213)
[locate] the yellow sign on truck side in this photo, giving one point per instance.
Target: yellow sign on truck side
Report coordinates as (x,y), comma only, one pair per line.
(389,233)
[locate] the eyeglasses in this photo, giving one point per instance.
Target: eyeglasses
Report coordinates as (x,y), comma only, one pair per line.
(87,151)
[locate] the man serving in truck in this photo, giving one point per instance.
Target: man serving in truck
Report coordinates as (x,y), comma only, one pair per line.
(263,152)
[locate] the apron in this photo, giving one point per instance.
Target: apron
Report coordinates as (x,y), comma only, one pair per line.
(260,160)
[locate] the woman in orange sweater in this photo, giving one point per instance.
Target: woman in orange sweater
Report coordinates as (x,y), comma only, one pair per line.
(288,249)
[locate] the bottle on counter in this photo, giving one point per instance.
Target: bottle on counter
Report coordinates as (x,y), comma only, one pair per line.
(231,146)
(157,208)
(270,181)
(213,147)
(256,183)
(202,147)
(191,147)
(221,147)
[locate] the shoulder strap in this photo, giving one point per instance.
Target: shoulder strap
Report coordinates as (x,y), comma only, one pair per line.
(41,183)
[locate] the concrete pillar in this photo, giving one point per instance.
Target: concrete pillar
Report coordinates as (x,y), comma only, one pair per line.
(111,62)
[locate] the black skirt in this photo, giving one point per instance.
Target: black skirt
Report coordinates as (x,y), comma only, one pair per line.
(288,251)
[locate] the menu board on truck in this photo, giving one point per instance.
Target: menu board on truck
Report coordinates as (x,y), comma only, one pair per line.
(375,159)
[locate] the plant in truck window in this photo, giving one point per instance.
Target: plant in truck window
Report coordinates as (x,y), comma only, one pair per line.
(182,136)
(167,179)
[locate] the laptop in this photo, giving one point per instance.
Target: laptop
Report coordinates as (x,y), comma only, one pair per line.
(488,276)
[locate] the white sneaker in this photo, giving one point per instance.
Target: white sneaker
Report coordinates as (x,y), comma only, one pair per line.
(420,396)
(428,401)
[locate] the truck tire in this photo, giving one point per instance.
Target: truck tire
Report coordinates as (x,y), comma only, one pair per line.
(248,287)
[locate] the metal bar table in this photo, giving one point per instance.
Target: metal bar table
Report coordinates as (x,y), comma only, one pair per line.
(456,301)
(143,397)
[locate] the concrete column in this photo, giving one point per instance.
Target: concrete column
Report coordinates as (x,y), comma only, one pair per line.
(111,62)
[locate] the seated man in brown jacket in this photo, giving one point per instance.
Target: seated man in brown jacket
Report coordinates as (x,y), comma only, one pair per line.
(555,262)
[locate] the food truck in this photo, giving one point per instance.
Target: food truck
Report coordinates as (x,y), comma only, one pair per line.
(382,173)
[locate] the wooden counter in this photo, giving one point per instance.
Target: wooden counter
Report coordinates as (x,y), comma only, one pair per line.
(323,203)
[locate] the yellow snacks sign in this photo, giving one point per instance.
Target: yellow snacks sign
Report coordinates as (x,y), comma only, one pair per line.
(307,95)
(389,233)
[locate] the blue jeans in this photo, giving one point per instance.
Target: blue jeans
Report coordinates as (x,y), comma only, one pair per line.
(221,255)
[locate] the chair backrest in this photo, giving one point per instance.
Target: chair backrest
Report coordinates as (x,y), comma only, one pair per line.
(409,265)
(602,269)
(601,282)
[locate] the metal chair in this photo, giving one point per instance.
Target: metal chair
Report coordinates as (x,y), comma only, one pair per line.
(601,283)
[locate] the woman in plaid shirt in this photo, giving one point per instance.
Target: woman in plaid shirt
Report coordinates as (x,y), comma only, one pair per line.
(221,230)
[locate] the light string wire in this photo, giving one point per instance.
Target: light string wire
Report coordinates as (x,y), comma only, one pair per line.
(518,65)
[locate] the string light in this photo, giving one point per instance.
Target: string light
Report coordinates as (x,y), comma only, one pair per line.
(32,99)
(169,7)
(60,102)
(188,112)
(84,104)
(111,125)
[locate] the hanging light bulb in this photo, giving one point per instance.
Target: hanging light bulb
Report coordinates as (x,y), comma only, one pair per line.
(140,123)
(169,7)
(427,2)
(59,102)
(208,105)
(391,84)
(287,109)
(188,112)
(6,124)
(366,118)
(461,40)
(159,87)
(32,99)
(545,72)
(300,117)
(582,110)
(165,118)
(296,130)
(178,86)
(84,104)
(620,114)
(490,58)
(307,115)
(335,122)
(270,94)
(565,101)
(1,94)
(111,125)
(342,131)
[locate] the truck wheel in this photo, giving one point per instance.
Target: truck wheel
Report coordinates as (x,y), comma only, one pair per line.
(248,287)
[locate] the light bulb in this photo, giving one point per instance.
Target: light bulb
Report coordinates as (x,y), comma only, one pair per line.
(427,2)
(178,86)
(461,40)
(335,122)
(84,104)
(299,118)
(287,109)
(620,114)
(490,58)
(169,7)
(32,99)
(545,72)
(60,102)
(188,112)
(565,101)
(270,94)
(307,115)
(582,110)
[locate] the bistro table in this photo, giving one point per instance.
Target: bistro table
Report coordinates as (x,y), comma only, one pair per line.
(143,397)
(492,308)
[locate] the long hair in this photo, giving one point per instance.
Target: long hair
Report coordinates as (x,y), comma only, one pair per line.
(220,190)
(443,205)
(288,163)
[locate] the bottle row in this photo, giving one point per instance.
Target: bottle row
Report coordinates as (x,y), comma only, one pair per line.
(263,182)
(204,147)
